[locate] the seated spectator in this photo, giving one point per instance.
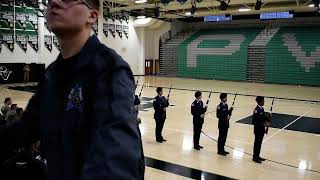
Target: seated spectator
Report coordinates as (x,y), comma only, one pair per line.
(19,113)
(27,163)
(11,115)
(6,106)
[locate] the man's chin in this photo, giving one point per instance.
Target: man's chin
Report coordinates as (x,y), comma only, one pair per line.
(58,30)
(62,30)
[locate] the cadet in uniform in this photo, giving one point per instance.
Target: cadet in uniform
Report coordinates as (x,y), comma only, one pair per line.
(197,110)
(160,103)
(258,121)
(223,114)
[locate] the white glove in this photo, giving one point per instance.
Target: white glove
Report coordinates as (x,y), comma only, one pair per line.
(205,106)
(202,116)
(228,117)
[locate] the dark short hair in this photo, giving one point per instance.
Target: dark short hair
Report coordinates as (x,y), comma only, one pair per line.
(94,4)
(197,94)
(259,99)
(223,95)
(159,89)
(7,99)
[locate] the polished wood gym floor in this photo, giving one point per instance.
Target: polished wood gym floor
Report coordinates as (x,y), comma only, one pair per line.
(297,154)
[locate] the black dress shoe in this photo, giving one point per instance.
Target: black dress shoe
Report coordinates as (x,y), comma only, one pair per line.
(226,152)
(200,147)
(196,148)
(256,160)
(261,159)
(222,154)
(159,141)
(164,140)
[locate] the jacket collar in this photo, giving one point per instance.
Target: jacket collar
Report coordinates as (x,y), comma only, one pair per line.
(260,106)
(90,47)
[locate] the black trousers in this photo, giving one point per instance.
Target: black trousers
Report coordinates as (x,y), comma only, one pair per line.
(258,138)
(197,127)
(223,133)
(159,127)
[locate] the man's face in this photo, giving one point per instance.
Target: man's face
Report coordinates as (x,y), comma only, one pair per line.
(225,99)
(261,103)
(69,16)
(200,97)
(161,93)
(10,102)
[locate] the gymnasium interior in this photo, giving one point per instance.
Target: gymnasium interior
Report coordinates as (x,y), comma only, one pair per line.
(245,48)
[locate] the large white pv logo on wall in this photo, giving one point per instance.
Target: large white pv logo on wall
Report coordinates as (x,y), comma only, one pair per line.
(4,73)
(193,51)
(307,62)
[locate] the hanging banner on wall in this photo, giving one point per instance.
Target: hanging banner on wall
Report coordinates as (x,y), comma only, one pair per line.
(20,3)
(112,29)
(111,16)
(7,17)
(32,3)
(32,19)
(0,42)
(119,16)
(8,39)
(106,12)
(56,42)
(21,39)
(126,17)
(21,20)
(119,30)
(33,40)
(126,31)
(45,2)
(95,28)
(48,42)
(8,2)
(46,25)
(105,29)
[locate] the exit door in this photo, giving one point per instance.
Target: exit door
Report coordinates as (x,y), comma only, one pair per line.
(148,67)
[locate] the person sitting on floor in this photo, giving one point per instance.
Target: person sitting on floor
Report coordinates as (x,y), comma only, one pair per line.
(12,116)
(6,106)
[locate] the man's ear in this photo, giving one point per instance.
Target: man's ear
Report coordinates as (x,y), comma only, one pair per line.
(93,16)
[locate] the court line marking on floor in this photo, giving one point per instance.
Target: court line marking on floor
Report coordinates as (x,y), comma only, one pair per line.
(277,162)
(239,94)
(277,132)
(190,133)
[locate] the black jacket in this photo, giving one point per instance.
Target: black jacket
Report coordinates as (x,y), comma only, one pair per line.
(159,105)
(258,120)
(223,112)
(197,109)
(91,133)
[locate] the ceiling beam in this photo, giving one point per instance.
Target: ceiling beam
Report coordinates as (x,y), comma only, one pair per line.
(234,11)
(177,6)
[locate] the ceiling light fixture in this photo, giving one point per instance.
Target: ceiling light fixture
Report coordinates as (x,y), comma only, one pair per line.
(140,1)
(141,17)
(244,9)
